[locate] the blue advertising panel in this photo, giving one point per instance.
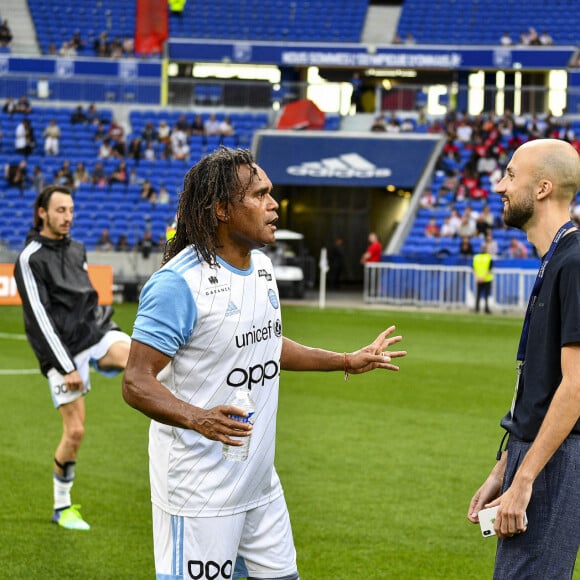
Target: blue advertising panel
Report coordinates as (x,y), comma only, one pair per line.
(353,160)
(128,68)
(359,55)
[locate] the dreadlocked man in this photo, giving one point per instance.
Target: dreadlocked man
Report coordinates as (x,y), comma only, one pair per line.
(208,323)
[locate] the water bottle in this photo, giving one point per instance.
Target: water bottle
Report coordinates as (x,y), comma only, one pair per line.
(240,398)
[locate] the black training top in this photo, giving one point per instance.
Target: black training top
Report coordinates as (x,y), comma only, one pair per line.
(554,323)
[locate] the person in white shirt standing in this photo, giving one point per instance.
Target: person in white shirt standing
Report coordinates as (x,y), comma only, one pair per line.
(209,322)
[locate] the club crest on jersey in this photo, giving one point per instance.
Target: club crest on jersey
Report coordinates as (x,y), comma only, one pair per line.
(265,274)
(273,298)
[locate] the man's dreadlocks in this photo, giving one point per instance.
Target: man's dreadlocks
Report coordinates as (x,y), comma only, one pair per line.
(212,181)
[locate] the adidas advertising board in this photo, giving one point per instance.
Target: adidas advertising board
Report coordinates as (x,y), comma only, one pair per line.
(316,158)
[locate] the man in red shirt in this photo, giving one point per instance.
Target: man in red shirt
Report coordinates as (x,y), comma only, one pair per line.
(374,250)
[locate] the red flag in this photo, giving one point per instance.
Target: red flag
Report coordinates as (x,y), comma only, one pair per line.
(151,26)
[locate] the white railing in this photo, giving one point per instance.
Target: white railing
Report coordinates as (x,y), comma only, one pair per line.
(450,287)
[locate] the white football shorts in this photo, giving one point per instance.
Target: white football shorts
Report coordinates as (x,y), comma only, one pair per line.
(207,548)
(60,394)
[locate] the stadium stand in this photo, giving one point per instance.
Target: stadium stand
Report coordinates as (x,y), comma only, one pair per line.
(485,21)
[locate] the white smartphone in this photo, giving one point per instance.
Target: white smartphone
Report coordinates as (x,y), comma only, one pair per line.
(487,519)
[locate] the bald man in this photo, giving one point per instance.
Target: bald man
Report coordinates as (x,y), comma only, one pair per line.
(538,474)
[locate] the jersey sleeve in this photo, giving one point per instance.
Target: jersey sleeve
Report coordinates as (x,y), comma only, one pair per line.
(167,313)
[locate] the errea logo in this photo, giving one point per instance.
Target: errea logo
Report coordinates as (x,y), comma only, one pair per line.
(347,166)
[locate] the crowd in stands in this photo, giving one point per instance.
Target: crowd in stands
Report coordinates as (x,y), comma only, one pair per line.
(476,151)
(528,37)
(5,34)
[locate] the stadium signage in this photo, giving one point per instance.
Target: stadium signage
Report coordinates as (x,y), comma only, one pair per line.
(456,57)
(356,160)
(101,278)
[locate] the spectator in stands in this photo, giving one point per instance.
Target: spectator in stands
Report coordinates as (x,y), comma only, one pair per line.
(149,133)
(118,148)
(428,200)
(105,149)
(164,136)
(146,244)
(116,48)
(123,244)
(99,175)
(447,229)
(163,196)
(23,105)
(116,130)
(67,49)
(478,192)
(105,244)
(226,127)
(374,250)
(464,132)
(407,125)
(52,51)
(455,219)
(465,247)
(135,150)
(101,131)
(120,174)
(432,229)
(148,192)
(467,227)
(409,38)
(485,221)
(506,39)
(379,125)
(64,175)
(197,126)
(78,116)
(101,45)
(212,125)
(9,106)
(24,140)
(16,175)
(393,124)
(38,179)
(180,149)
(517,249)
(93,114)
(397,39)
(80,175)
(486,164)
(491,244)
(128,46)
(546,39)
(149,152)
(51,136)
(77,41)
(5,33)
(356,95)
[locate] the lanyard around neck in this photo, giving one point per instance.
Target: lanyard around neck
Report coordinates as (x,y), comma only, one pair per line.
(537,287)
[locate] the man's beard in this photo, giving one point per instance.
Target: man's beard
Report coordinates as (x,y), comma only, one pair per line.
(517,216)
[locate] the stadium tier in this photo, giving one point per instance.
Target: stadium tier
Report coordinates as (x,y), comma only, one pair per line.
(485,21)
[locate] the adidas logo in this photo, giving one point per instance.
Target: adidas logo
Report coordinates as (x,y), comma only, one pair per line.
(232,309)
(347,166)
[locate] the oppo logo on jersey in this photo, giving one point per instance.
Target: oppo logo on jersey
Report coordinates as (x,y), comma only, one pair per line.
(209,570)
(254,375)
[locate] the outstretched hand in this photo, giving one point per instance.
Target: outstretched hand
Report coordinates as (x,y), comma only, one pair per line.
(376,355)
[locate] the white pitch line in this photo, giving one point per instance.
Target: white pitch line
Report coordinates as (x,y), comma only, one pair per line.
(12,336)
(19,372)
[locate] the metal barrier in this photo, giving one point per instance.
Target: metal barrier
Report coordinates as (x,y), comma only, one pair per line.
(441,286)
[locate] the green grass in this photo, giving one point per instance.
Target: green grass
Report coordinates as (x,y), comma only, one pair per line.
(378,471)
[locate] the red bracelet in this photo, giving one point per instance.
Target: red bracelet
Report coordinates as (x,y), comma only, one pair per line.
(345,367)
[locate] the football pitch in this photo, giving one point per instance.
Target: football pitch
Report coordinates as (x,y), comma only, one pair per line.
(378,471)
